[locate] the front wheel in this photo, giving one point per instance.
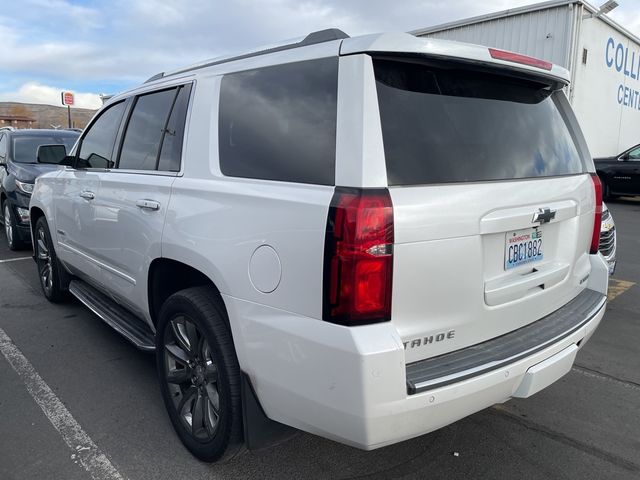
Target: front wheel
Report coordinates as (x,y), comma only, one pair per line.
(53,278)
(199,374)
(10,229)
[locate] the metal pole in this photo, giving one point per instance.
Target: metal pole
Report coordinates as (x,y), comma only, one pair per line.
(69,114)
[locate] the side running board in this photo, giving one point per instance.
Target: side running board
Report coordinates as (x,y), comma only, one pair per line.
(117,317)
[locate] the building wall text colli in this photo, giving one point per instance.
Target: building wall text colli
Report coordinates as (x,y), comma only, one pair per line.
(625,61)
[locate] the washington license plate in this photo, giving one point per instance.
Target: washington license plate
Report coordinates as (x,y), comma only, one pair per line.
(523,246)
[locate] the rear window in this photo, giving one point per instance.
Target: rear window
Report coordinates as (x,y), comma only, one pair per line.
(446,124)
(279,122)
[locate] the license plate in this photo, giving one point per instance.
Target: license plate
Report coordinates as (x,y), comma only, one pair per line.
(522,246)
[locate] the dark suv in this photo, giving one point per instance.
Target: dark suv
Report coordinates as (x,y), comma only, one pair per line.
(19,168)
(620,174)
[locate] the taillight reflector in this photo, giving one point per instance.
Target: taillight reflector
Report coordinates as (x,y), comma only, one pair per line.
(597,221)
(358,261)
(519,58)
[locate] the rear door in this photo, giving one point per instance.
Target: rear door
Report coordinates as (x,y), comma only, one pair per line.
(133,198)
(493,208)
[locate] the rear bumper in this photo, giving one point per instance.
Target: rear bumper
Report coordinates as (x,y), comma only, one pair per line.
(505,350)
(350,384)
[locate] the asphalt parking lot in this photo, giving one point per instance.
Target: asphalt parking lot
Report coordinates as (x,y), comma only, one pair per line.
(585,426)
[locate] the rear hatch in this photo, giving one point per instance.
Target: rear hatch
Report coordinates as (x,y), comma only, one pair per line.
(493,206)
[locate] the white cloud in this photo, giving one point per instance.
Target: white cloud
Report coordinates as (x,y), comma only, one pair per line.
(34,92)
(120,43)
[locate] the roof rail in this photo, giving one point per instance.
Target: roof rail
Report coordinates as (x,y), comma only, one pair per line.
(313,38)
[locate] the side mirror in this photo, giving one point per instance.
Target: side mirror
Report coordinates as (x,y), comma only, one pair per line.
(51,154)
(624,158)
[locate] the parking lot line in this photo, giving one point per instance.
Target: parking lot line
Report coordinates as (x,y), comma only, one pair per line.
(84,449)
(7,260)
(618,287)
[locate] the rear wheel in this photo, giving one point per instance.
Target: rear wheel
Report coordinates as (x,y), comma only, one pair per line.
(53,277)
(199,374)
(10,229)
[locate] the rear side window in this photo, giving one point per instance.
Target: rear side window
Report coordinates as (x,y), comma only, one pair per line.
(171,151)
(154,133)
(145,130)
(447,124)
(97,145)
(279,122)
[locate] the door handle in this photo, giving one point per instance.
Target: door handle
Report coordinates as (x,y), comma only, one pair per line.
(148,204)
(87,195)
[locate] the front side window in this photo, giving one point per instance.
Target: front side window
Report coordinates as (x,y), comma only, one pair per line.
(633,154)
(279,122)
(96,150)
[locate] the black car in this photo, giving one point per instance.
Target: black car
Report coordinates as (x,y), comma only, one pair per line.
(19,168)
(620,174)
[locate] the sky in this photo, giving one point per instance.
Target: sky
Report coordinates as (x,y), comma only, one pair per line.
(99,46)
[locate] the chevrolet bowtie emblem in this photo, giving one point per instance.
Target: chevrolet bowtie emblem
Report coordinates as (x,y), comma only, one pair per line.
(543,215)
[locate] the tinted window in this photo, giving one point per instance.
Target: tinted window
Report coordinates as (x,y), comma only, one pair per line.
(172,144)
(279,123)
(24,149)
(633,154)
(97,146)
(3,145)
(443,125)
(145,130)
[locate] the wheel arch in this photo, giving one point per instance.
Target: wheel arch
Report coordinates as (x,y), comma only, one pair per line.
(34,214)
(167,276)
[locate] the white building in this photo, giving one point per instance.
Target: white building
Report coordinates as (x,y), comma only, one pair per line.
(602,56)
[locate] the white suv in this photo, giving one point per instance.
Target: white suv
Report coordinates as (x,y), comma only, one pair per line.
(363,238)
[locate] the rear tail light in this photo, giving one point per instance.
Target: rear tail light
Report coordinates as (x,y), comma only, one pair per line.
(595,239)
(519,58)
(358,261)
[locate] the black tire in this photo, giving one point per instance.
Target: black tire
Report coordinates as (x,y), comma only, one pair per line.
(606,192)
(10,225)
(54,279)
(208,374)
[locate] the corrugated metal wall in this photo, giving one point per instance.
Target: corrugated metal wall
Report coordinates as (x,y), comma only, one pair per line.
(542,34)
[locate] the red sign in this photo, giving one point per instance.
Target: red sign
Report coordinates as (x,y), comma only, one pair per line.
(67,98)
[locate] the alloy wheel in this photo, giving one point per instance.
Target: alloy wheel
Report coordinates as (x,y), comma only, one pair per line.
(8,228)
(192,377)
(43,259)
